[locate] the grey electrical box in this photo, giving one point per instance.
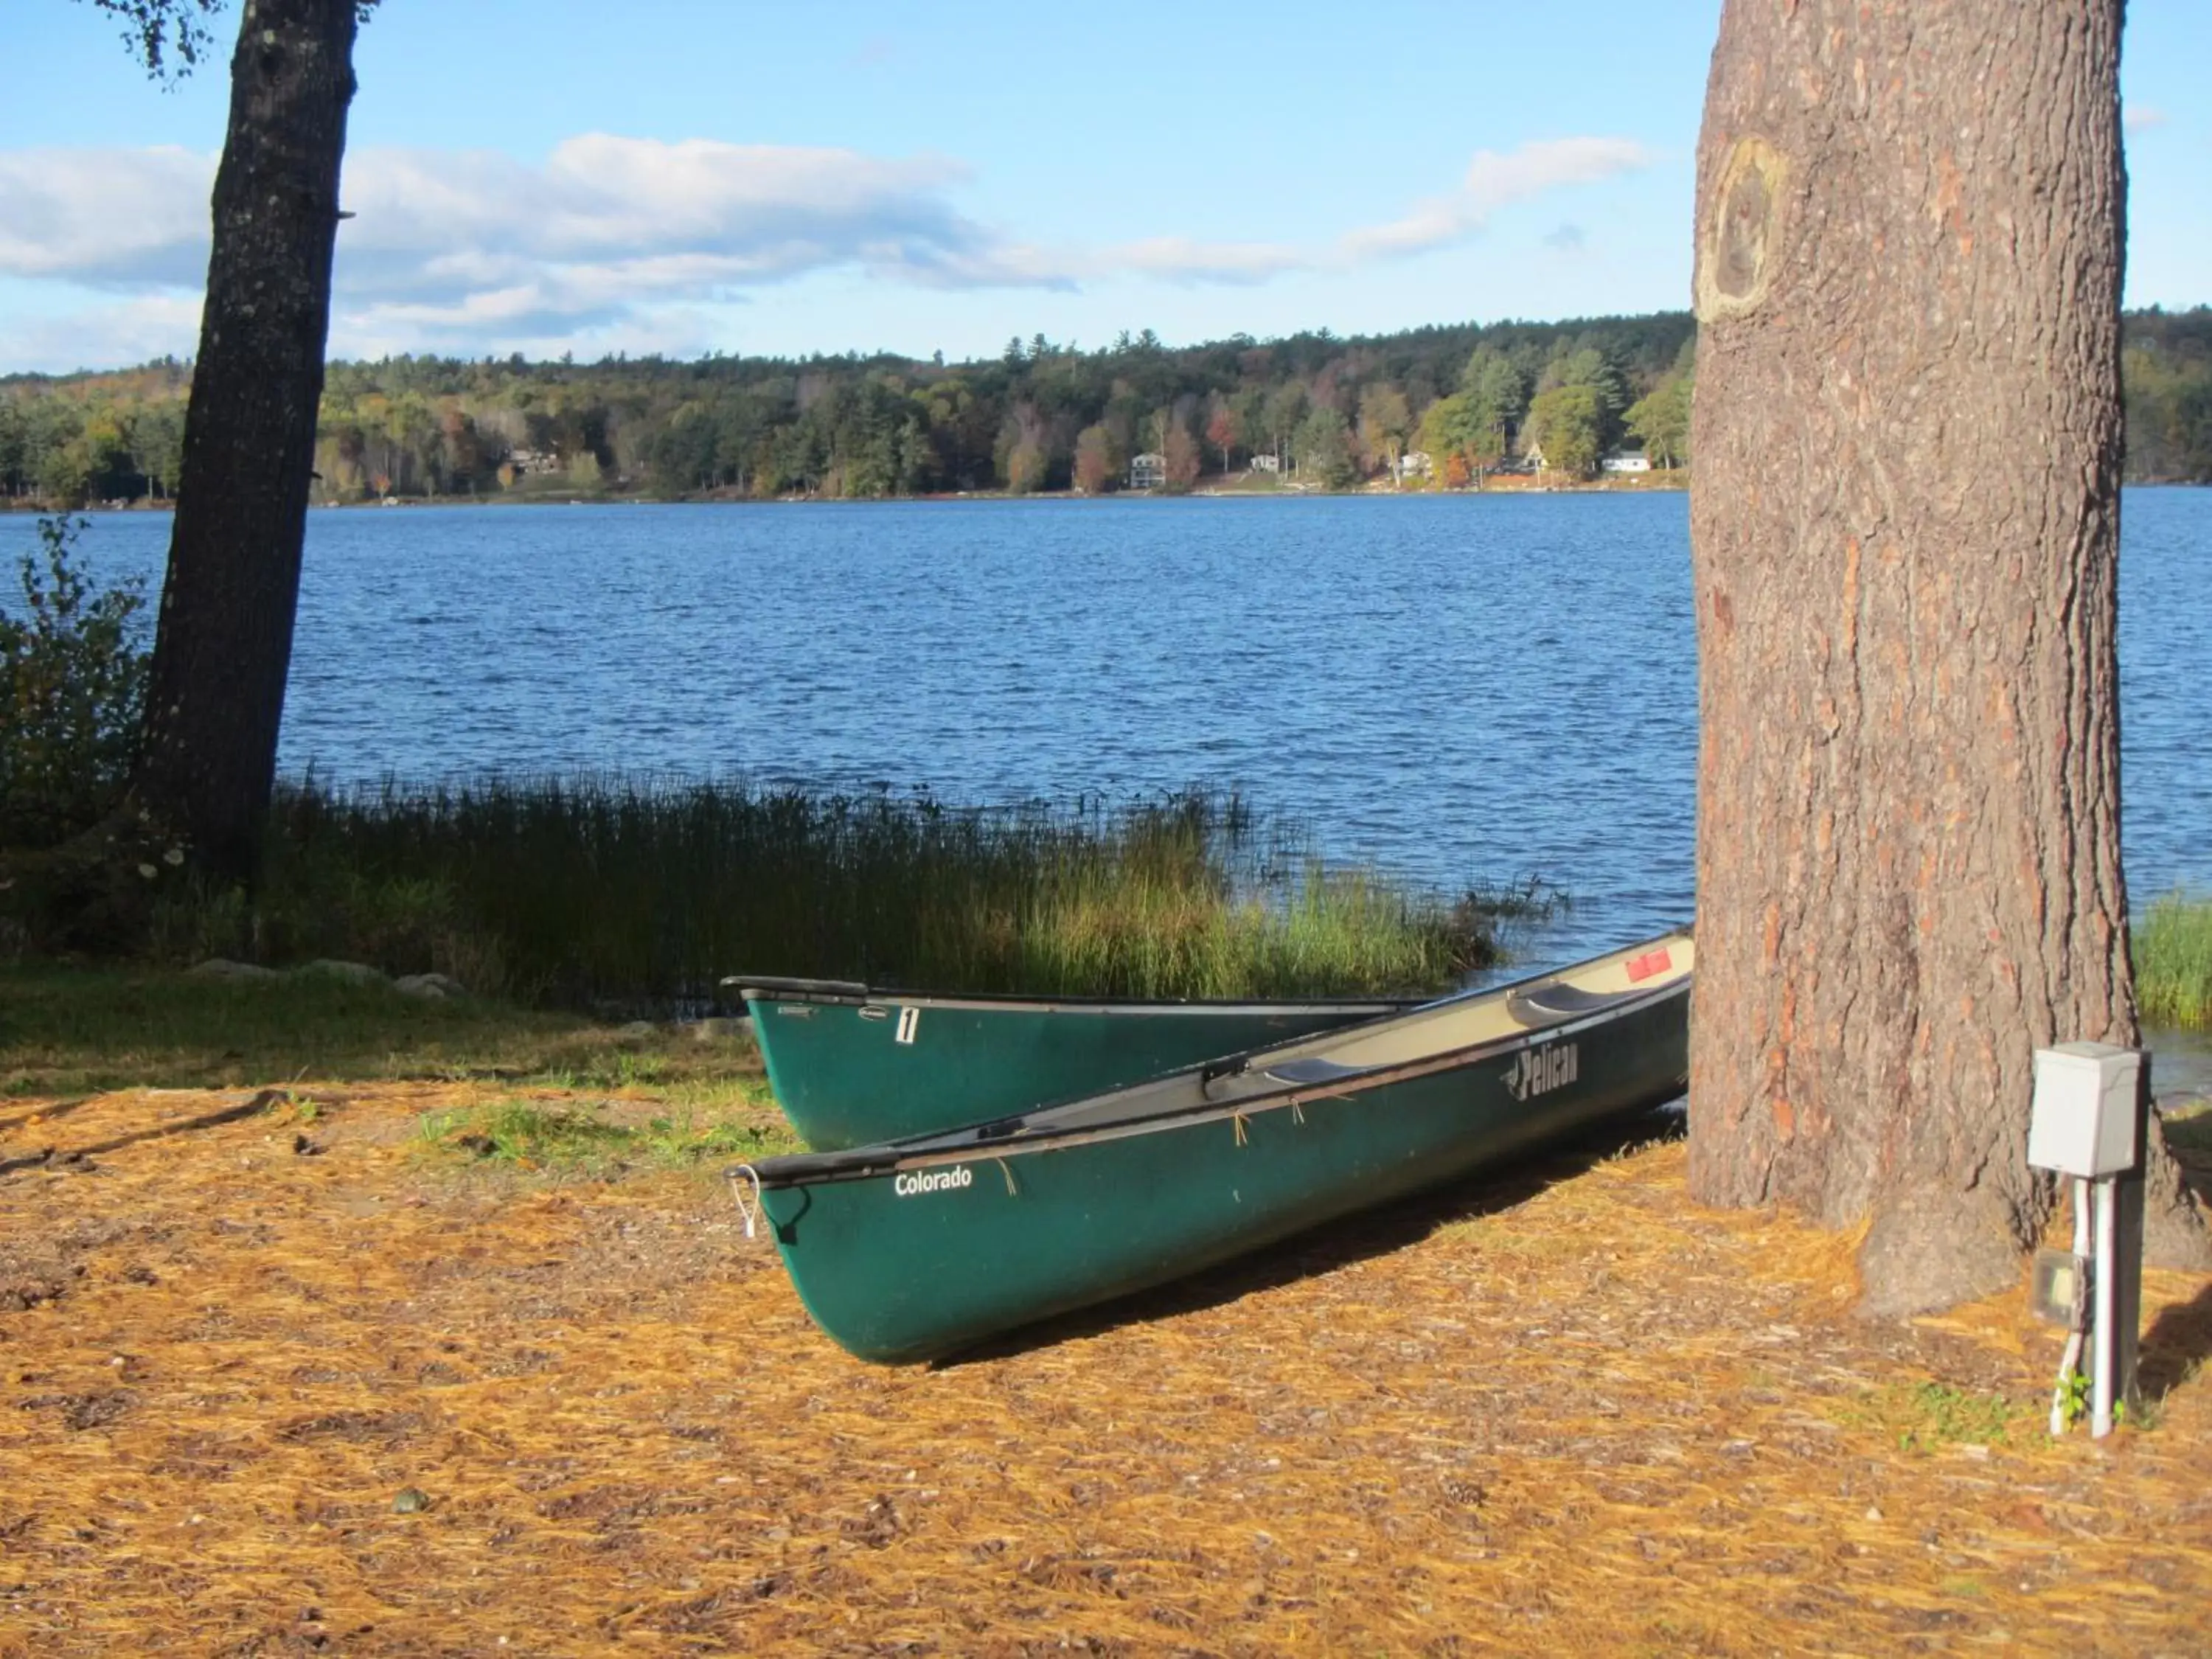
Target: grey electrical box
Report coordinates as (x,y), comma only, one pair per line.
(2084,1121)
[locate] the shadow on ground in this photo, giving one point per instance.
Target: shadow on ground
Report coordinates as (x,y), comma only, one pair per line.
(2178,1342)
(1345,1241)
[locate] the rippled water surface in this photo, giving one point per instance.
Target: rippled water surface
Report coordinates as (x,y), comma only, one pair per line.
(1463,687)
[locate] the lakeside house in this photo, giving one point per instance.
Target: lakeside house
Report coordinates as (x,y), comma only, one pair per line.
(1266,462)
(1626,460)
(1415,464)
(1148,471)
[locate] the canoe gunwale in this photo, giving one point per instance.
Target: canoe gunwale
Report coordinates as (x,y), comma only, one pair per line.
(852,993)
(1017,1139)
(782,989)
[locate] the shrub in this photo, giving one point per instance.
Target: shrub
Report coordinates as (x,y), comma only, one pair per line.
(72,684)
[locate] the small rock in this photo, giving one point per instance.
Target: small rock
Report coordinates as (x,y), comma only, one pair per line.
(220,968)
(430,987)
(303,1147)
(411,1500)
(353,972)
(721,1028)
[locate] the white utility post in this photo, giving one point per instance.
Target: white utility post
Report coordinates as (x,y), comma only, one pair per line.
(2090,1114)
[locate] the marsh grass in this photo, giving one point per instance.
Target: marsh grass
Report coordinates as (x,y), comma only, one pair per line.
(2174,961)
(71,1029)
(642,892)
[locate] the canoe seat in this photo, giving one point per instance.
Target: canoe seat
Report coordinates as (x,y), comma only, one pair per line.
(1313,1069)
(1547,1005)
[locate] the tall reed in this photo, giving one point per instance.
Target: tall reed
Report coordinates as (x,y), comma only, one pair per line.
(611,888)
(2174,961)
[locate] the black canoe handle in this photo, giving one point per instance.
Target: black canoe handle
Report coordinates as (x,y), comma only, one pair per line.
(1214,1071)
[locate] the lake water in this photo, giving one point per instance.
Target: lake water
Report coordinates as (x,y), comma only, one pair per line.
(1463,688)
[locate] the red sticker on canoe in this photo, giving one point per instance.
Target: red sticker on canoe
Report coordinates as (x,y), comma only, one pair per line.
(1651,962)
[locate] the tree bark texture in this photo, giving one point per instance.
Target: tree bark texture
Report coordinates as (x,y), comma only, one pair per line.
(1905,521)
(223,643)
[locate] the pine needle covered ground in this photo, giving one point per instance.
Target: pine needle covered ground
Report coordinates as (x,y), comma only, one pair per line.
(307,1377)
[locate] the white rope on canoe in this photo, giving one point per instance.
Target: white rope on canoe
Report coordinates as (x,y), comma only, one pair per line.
(749,1209)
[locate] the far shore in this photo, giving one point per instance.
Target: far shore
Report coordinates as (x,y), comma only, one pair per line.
(1216,486)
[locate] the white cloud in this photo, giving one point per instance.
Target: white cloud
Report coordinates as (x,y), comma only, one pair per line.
(614,238)
(1180,259)
(132,331)
(1493,181)
(126,218)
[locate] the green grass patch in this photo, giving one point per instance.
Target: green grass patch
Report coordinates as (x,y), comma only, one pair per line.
(2174,961)
(1930,1415)
(72,1030)
(598,891)
(569,1139)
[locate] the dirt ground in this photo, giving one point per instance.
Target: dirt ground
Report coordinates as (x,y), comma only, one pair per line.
(276,1386)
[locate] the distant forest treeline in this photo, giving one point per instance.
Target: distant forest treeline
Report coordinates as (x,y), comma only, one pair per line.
(1324,411)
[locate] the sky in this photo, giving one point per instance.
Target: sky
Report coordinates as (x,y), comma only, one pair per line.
(695,176)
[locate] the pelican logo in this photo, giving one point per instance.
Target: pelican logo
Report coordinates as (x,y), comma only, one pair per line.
(1540,1071)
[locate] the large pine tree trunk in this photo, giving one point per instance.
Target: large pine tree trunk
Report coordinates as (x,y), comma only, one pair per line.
(223,645)
(1905,520)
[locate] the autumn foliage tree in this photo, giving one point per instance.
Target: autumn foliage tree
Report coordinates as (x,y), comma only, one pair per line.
(1905,519)
(1385,423)
(1182,457)
(1095,463)
(1224,429)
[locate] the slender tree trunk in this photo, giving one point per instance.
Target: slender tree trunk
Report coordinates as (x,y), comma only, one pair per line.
(223,645)
(1905,520)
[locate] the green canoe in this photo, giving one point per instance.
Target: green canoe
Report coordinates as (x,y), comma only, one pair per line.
(909,1249)
(851,1067)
